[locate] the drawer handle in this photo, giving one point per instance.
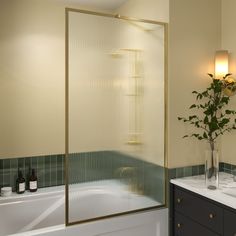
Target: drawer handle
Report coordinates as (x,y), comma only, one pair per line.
(179,200)
(179,225)
(211,216)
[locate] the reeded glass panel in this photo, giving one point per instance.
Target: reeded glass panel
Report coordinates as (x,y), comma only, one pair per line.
(116,118)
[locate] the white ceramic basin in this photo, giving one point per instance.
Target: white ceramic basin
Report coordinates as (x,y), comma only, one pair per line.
(230,192)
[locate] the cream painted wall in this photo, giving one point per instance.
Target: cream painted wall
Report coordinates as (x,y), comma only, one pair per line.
(32,80)
(32,77)
(195,34)
(228,43)
(32,72)
(147,9)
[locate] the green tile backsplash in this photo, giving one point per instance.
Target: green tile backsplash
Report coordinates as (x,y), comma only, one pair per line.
(85,167)
(49,170)
(186,171)
(228,168)
(94,166)
(198,170)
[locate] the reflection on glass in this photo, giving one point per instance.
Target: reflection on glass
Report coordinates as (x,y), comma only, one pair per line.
(116,116)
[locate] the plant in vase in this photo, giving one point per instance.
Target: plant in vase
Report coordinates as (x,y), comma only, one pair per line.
(213,119)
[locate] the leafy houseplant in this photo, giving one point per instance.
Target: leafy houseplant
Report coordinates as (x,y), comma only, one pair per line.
(214,119)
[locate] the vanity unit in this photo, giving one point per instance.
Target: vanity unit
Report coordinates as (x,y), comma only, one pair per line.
(197,211)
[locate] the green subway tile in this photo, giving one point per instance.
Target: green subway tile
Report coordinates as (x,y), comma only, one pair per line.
(41,171)
(60,174)
(34,163)
(179,172)
(233,168)
(172,173)
(21,165)
(27,170)
(224,166)
(27,164)
(221,166)
(54,170)
(47,173)
(6,164)
(187,171)
(195,170)
(13,172)
(6,172)
(227,166)
(1,173)
(201,169)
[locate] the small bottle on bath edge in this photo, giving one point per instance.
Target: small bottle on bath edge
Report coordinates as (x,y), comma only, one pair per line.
(33,182)
(20,183)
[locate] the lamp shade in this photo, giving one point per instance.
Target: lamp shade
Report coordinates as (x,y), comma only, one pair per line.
(221,64)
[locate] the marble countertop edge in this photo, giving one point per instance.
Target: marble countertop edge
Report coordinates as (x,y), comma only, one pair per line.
(197,185)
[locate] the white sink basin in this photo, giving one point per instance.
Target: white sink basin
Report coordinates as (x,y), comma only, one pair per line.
(230,192)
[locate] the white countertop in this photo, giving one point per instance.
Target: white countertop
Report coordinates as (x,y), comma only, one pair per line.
(197,185)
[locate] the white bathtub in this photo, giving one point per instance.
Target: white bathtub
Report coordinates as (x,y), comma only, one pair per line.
(42,213)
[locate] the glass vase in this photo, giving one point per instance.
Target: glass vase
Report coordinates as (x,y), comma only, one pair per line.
(212,169)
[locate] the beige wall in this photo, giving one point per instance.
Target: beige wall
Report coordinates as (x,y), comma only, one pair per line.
(147,9)
(32,77)
(32,72)
(195,34)
(32,80)
(228,43)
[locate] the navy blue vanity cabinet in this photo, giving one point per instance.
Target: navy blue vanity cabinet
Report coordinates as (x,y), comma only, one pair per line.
(229,223)
(194,215)
(187,227)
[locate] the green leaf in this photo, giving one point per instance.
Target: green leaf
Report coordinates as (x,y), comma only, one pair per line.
(205,135)
(213,125)
(225,100)
(206,120)
(192,117)
(228,112)
(192,106)
(199,96)
(227,75)
(185,136)
(225,121)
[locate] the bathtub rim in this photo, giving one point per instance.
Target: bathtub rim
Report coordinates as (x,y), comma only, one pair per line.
(59,191)
(60,227)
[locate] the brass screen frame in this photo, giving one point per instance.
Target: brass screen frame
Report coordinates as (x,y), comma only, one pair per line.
(66,162)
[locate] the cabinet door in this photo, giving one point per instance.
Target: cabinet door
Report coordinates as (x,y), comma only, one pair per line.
(186,227)
(229,223)
(200,210)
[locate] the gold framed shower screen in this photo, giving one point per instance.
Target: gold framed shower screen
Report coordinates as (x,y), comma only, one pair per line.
(66,160)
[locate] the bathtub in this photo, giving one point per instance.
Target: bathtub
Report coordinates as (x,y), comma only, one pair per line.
(42,213)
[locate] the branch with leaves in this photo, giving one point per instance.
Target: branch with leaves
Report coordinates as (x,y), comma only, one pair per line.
(215,119)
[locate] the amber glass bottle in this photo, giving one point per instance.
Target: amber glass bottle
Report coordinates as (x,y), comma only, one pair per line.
(33,182)
(20,183)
